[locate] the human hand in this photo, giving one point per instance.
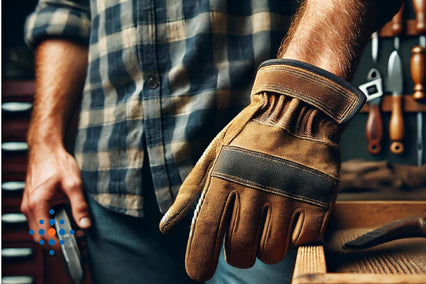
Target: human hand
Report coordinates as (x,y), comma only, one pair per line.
(53,178)
(268,180)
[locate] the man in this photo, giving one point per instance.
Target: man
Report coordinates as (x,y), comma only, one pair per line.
(157,81)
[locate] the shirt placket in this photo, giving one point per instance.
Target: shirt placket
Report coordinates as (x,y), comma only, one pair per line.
(146,29)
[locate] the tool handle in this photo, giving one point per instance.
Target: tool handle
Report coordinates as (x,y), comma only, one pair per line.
(420,9)
(417,64)
(396,127)
(397,22)
(374,129)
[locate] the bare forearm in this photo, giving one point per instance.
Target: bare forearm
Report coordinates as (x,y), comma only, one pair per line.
(331,33)
(60,72)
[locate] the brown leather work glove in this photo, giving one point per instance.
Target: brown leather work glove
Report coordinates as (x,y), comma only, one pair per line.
(268,180)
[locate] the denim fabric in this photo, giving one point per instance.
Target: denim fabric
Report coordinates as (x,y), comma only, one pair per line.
(279,273)
(125,249)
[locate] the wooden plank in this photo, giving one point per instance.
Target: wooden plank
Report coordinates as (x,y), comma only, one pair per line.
(368,214)
(409,104)
(348,278)
(310,259)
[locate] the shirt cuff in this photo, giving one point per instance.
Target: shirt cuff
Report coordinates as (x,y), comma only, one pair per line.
(54,21)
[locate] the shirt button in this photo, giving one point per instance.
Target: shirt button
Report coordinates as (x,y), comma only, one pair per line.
(152,82)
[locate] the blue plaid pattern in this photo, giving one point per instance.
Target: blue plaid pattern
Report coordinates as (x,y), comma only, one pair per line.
(164,77)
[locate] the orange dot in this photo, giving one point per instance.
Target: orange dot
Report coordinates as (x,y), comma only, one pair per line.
(51,232)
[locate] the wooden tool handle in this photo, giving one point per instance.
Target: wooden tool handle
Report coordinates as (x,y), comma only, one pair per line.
(420,9)
(374,129)
(397,22)
(396,127)
(417,69)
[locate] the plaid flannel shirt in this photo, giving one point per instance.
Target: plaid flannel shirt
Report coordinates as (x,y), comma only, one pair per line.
(164,77)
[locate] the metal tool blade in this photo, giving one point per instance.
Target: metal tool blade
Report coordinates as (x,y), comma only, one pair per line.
(395,76)
(420,147)
(69,248)
(410,227)
(375,46)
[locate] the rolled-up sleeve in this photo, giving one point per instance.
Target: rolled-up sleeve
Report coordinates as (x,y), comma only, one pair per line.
(58,19)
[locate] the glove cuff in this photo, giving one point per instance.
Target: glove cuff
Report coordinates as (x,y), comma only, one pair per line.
(334,96)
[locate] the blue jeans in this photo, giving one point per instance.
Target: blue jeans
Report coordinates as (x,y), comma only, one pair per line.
(128,250)
(279,273)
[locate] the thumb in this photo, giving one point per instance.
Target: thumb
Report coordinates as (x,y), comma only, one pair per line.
(193,185)
(191,188)
(79,207)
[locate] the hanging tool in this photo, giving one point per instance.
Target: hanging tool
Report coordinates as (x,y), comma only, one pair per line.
(418,71)
(373,90)
(395,86)
(375,46)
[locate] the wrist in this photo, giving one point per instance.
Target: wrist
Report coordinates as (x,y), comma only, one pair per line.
(45,136)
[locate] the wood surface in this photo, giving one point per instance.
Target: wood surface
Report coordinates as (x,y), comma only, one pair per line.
(400,261)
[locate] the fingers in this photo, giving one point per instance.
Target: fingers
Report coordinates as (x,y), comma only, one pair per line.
(207,231)
(242,238)
(79,208)
(308,226)
(36,205)
(275,241)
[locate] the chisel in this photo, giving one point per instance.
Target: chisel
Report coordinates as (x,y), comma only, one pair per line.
(418,71)
(395,86)
(411,227)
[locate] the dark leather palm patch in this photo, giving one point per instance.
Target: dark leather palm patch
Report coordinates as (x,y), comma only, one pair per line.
(274,175)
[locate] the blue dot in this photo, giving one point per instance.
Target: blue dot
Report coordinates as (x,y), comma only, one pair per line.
(51,211)
(62,242)
(31,232)
(62,221)
(41,232)
(52,252)
(51,242)
(41,221)
(61,232)
(52,222)
(72,232)
(41,242)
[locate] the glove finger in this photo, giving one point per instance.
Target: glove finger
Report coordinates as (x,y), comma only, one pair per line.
(274,242)
(309,227)
(241,241)
(210,221)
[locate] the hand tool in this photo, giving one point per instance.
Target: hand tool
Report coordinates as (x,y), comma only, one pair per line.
(418,71)
(373,90)
(375,46)
(69,247)
(395,86)
(411,227)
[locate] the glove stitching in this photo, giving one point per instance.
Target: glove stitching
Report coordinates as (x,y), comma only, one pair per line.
(310,138)
(270,189)
(339,117)
(314,78)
